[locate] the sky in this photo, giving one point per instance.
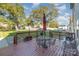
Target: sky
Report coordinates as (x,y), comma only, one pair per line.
(63,10)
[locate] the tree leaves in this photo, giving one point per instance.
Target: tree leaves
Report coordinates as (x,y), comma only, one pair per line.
(15,11)
(53,24)
(50,11)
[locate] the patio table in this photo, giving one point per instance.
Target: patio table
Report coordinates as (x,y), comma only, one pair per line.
(45,42)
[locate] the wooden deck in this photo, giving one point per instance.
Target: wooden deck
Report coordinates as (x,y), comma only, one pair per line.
(30,48)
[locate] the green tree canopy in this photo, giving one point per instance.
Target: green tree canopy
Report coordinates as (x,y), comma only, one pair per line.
(53,24)
(50,11)
(15,11)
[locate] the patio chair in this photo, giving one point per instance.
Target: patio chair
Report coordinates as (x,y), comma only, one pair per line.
(42,40)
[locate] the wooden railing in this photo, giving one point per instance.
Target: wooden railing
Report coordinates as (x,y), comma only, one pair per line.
(23,36)
(20,36)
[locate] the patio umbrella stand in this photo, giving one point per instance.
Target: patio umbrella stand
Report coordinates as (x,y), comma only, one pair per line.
(42,39)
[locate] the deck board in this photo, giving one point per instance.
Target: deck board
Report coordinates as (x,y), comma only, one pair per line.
(30,48)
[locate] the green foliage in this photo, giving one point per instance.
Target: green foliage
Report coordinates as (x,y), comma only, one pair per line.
(38,13)
(2,19)
(15,11)
(53,24)
(50,11)
(28,22)
(8,22)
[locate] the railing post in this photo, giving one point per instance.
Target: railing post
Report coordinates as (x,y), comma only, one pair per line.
(15,40)
(59,35)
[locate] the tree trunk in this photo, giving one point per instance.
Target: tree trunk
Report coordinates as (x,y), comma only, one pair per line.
(16,27)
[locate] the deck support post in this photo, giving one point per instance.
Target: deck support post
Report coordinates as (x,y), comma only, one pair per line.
(15,40)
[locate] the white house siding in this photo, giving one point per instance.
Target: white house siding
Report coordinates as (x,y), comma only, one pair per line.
(76,15)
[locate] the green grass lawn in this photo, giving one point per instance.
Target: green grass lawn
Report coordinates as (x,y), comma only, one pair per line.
(23,33)
(9,33)
(12,33)
(5,33)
